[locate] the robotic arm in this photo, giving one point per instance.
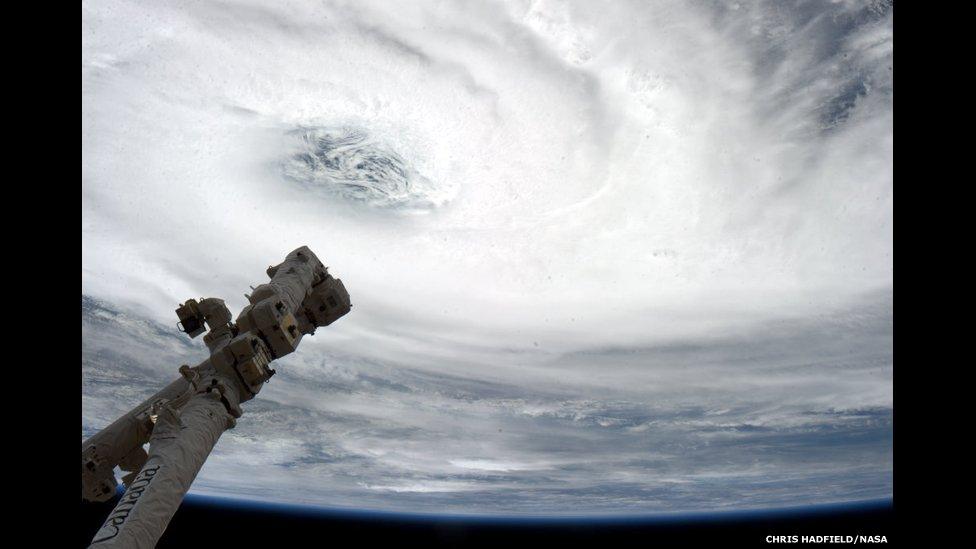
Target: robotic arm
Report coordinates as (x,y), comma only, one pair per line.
(184,420)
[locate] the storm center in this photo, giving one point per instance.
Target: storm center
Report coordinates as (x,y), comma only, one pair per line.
(349,164)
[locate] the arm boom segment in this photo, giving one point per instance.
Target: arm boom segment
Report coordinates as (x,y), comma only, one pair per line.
(183,421)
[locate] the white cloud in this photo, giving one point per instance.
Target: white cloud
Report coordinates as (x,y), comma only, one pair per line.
(662,220)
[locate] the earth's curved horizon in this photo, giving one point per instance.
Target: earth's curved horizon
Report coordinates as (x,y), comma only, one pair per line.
(311,510)
(817,509)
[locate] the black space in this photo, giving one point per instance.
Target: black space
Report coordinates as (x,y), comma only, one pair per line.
(199,524)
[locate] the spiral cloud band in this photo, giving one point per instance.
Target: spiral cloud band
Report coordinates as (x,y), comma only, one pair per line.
(604,256)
